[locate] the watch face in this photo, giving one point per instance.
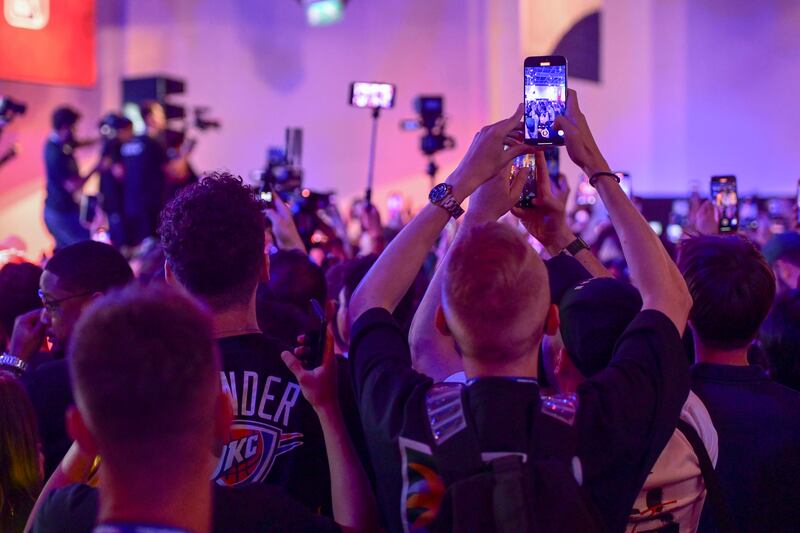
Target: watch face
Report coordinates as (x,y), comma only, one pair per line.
(438,193)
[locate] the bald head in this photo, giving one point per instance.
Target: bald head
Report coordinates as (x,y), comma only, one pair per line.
(495,294)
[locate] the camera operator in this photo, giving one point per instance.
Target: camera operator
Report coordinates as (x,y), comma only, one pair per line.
(64,182)
(150,174)
(115,131)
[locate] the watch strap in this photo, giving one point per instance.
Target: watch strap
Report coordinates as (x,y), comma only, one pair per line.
(576,246)
(448,202)
(8,361)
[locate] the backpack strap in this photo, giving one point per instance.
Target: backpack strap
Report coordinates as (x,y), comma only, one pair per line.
(456,450)
(719,508)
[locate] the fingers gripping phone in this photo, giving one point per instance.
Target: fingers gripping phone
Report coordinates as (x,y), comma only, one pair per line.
(545,97)
(315,336)
(725,197)
(525,166)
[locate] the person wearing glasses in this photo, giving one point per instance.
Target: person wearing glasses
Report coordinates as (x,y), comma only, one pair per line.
(74,277)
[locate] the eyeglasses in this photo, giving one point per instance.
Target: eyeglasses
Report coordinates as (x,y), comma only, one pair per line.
(53,305)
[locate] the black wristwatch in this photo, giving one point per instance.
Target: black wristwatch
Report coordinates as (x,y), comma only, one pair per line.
(442,195)
(576,246)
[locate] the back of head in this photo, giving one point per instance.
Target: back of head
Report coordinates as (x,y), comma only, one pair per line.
(780,338)
(295,279)
(64,117)
(20,478)
(495,293)
(732,287)
(144,372)
(594,314)
(784,246)
(212,233)
(89,266)
(19,283)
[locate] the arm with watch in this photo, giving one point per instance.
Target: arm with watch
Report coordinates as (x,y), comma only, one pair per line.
(398,265)
(652,270)
(433,353)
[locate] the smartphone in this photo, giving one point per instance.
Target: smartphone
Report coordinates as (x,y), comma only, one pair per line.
(625,183)
(586,194)
(315,336)
(88,209)
(545,97)
(725,197)
(526,165)
(372,95)
(553,163)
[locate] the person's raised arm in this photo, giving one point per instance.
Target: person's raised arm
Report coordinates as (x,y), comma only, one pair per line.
(283,227)
(394,272)
(432,352)
(354,506)
(547,219)
(652,270)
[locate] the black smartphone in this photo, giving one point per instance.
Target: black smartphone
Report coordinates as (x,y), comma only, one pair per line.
(553,163)
(525,165)
(372,95)
(725,197)
(545,97)
(315,336)
(88,209)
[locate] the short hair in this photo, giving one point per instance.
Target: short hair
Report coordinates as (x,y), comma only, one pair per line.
(496,288)
(295,279)
(212,233)
(90,266)
(64,117)
(780,339)
(19,283)
(20,480)
(143,362)
(784,246)
(732,288)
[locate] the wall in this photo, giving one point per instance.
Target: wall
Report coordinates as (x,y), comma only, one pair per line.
(22,179)
(675,101)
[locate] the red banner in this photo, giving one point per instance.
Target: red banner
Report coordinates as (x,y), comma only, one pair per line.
(48,41)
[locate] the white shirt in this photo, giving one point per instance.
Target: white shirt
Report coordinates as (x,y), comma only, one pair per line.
(676,475)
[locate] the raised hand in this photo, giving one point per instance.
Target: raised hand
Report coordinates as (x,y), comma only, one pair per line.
(547,219)
(580,143)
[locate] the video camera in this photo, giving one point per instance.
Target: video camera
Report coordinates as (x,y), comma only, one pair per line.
(10,108)
(284,174)
(432,119)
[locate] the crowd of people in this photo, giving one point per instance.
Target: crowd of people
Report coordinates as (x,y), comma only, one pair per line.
(461,380)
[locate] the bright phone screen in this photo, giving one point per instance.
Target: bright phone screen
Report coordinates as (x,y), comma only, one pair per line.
(545,99)
(724,195)
(372,95)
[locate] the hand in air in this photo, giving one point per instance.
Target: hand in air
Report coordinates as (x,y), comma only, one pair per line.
(283,227)
(487,156)
(581,146)
(319,385)
(547,219)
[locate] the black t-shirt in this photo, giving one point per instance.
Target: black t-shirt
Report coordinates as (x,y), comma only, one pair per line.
(110,185)
(261,508)
(50,392)
(276,436)
(625,416)
(143,158)
(61,167)
(758,423)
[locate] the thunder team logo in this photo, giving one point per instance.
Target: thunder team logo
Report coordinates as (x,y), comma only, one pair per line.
(251,451)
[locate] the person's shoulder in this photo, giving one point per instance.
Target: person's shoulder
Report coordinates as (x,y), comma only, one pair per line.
(72,508)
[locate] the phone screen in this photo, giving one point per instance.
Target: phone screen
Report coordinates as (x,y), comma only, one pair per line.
(525,165)
(724,195)
(372,95)
(545,98)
